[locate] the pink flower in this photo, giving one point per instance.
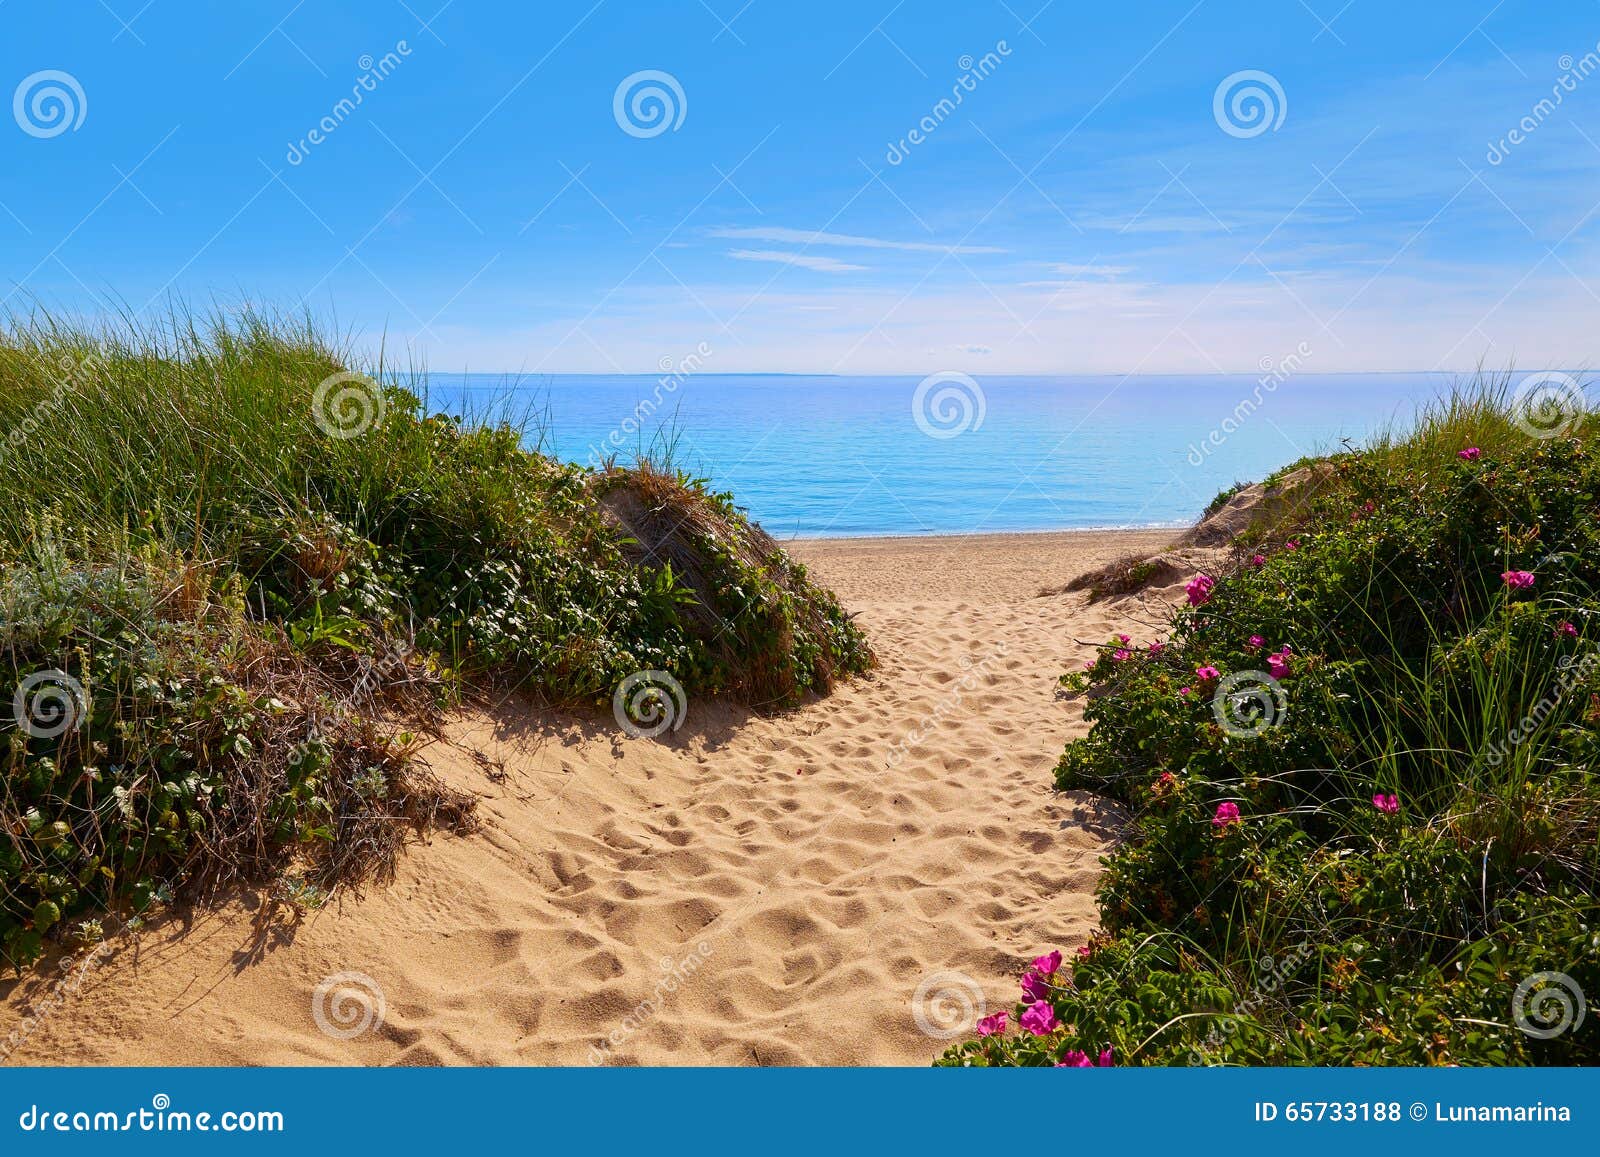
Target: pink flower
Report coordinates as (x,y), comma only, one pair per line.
(1471,453)
(1035,987)
(1084,951)
(1278,665)
(1048,963)
(1258,560)
(1292,544)
(1122,654)
(1106,1061)
(1074,1059)
(1199,589)
(992,1025)
(1518,579)
(1567,629)
(1257,641)
(1182,691)
(1227,813)
(1124,640)
(1039,1018)
(1206,674)
(1157,647)
(1089,666)
(1387,804)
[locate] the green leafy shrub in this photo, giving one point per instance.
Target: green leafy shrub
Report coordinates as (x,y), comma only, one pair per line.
(224,557)
(1362,771)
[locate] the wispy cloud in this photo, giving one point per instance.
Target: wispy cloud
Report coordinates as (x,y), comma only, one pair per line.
(1091,270)
(844,240)
(803,260)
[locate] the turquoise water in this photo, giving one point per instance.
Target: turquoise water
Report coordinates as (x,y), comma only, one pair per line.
(814,456)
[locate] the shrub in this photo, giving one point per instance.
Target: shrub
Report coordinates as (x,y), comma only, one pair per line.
(1362,772)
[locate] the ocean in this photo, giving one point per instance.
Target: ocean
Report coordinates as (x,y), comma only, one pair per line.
(844,456)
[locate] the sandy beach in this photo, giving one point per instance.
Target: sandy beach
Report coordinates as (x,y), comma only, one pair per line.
(746,890)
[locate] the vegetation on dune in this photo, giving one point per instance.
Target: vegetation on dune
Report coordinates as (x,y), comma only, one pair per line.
(226,560)
(1363,770)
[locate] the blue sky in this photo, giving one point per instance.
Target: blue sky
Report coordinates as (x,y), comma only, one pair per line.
(1082,209)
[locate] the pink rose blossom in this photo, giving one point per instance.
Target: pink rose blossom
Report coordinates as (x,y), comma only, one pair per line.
(1182,691)
(1471,453)
(1518,579)
(1074,1059)
(1122,654)
(1292,544)
(1106,1060)
(1206,674)
(1199,589)
(1124,640)
(1388,804)
(1039,1018)
(992,1025)
(1567,629)
(1157,647)
(1084,951)
(1258,560)
(1227,813)
(1257,641)
(1035,987)
(1048,963)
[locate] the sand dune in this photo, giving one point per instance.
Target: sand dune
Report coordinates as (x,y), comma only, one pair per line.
(745,890)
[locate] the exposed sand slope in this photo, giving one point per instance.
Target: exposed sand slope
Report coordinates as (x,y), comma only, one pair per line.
(801,874)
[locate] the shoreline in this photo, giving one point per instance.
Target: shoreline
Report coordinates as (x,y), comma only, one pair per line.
(1035,536)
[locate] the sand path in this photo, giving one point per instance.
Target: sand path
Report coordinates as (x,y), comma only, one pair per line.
(744,891)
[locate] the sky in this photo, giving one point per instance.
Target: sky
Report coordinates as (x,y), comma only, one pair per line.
(873,187)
